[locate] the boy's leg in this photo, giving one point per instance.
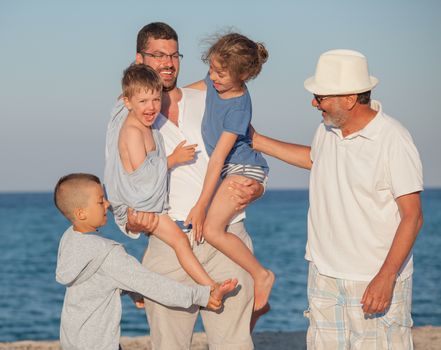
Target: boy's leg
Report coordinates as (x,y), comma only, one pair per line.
(230,329)
(221,210)
(168,232)
(170,328)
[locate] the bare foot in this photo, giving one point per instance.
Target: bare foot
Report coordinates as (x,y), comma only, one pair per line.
(226,287)
(218,292)
(262,289)
(257,314)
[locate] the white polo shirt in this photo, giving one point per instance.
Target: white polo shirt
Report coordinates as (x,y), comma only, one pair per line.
(186,181)
(354,182)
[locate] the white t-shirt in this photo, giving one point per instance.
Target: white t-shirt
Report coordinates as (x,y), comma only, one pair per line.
(186,181)
(354,182)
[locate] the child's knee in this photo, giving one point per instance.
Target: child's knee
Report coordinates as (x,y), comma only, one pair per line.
(180,242)
(211,231)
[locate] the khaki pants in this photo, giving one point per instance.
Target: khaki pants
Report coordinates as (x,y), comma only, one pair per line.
(172,328)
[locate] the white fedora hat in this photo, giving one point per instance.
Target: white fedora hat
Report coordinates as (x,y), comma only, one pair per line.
(341,72)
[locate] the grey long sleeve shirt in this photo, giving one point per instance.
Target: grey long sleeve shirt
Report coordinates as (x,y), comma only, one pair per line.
(95,270)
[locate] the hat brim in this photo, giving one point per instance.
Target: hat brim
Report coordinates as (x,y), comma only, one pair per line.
(316,89)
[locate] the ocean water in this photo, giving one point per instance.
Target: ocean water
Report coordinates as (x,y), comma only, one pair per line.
(31,300)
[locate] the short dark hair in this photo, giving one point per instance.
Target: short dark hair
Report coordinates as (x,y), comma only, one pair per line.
(364,98)
(155,30)
(69,192)
(140,77)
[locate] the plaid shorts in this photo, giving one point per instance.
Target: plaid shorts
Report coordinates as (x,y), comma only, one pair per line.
(337,321)
(254,172)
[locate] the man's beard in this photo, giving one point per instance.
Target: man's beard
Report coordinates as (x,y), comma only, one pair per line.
(170,84)
(336,120)
(170,87)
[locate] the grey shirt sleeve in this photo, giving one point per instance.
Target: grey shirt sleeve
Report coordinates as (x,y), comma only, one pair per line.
(130,275)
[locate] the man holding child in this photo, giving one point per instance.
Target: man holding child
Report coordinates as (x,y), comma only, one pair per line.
(180,120)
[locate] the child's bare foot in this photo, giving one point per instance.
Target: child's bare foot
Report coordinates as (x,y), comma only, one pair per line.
(257,314)
(262,289)
(218,291)
(224,288)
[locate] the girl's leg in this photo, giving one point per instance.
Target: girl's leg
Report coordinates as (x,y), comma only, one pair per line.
(219,214)
(168,232)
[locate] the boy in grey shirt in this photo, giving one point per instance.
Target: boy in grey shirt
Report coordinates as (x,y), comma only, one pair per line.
(95,270)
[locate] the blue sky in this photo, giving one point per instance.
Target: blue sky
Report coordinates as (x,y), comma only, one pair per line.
(61,64)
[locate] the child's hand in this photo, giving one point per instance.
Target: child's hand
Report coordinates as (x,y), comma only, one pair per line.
(214,304)
(137,299)
(196,217)
(182,153)
(139,303)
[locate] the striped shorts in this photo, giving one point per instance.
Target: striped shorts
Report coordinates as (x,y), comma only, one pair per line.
(254,172)
(337,321)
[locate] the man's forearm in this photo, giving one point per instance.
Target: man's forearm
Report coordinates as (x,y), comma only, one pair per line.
(378,294)
(298,155)
(405,236)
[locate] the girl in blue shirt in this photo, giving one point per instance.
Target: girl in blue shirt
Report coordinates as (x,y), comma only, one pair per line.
(234,59)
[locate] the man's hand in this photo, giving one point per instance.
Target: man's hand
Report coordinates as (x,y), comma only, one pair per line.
(181,154)
(196,217)
(378,294)
(139,221)
(243,193)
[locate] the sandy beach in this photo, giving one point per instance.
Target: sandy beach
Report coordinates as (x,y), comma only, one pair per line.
(425,338)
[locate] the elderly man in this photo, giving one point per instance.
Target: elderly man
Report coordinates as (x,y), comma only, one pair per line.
(365,211)
(179,122)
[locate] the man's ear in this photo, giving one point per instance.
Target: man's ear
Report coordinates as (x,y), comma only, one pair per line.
(351,100)
(139,59)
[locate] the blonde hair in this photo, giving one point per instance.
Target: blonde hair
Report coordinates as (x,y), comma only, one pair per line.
(139,77)
(241,56)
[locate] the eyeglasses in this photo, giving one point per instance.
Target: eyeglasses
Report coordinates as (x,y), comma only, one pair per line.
(161,56)
(319,98)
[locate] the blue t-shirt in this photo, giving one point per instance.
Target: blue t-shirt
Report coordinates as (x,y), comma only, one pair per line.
(232,115)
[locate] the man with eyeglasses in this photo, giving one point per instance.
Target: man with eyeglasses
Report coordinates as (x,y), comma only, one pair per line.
(364,214)
(180,120)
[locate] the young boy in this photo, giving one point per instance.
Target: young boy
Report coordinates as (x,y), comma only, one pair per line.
(135,173)
(95,270)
